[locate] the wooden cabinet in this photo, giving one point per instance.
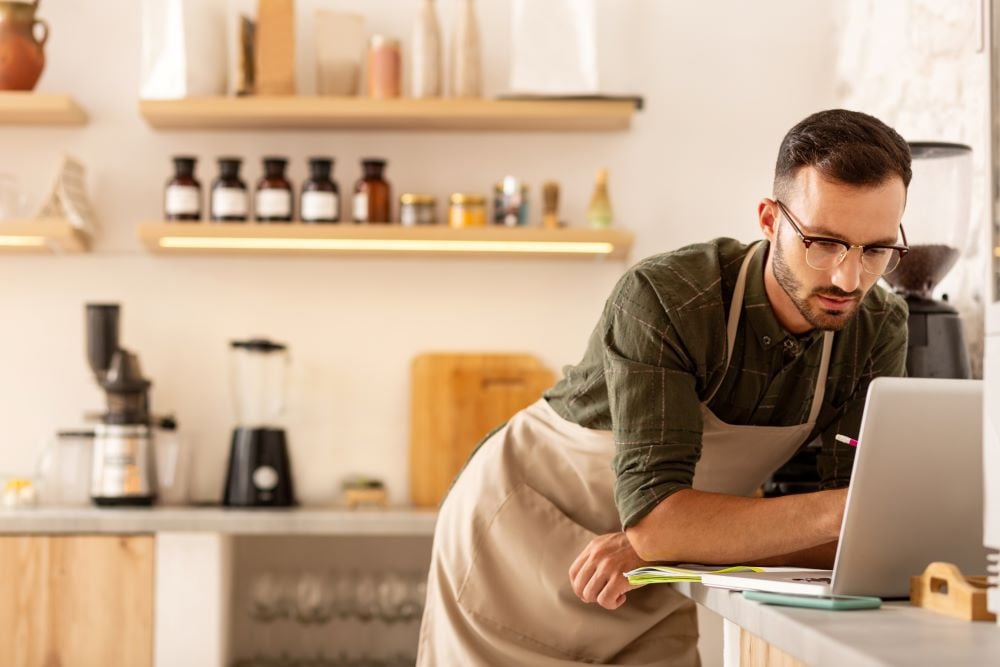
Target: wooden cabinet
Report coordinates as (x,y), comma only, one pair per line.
(76,600)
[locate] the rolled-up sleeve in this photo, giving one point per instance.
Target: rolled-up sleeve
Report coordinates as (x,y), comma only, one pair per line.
(655,413)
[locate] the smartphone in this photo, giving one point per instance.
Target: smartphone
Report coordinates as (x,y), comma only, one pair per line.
(832,602)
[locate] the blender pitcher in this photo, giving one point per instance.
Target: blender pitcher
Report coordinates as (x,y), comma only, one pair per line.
(259,472)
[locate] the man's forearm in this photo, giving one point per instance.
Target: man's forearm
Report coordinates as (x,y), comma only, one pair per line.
(699,527)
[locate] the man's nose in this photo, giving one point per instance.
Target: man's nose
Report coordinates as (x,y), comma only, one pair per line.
(847,275)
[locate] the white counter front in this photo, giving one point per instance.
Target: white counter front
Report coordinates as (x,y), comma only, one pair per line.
(897,634)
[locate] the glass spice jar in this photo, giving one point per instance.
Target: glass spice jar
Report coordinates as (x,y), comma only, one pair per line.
(273,200)
(417,209)
(229,202)
(385,67)
(320,194)
(372,194)
(467,210)
(182,197)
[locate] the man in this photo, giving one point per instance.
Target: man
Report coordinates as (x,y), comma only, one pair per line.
(710,366)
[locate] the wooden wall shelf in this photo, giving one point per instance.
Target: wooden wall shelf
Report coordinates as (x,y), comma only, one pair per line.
(47,235)
(351,239)
(358,113)
(29,108)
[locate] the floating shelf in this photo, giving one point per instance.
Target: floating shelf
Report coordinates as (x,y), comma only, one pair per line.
(351,239)
(28,108)
(359,113)
(47,235)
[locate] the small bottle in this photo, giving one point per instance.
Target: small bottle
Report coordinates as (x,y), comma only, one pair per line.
(372,194)
(599,211)
(273,202)
(320,195)
(182,198)
(229,201)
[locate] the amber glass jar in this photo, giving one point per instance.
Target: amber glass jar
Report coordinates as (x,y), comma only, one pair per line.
(229,201)
(320,194)
(372,194)
(273,201)
(182,197)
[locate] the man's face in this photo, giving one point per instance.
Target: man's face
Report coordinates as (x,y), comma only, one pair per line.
(829,299)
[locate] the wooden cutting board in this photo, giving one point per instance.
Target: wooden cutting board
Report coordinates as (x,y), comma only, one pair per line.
(456,400)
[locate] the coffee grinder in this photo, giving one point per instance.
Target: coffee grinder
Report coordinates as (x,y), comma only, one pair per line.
(259,472)
(937,226)
(123,470)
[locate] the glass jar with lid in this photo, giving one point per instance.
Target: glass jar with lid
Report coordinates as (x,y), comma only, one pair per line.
(273,201)
(182,197)
(373,194)
(229,201)
(417,209)
(467,210)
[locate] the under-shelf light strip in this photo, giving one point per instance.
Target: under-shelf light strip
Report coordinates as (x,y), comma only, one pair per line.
(400,245)
(22,241)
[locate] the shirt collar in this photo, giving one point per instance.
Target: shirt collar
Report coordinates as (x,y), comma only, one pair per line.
(760,315)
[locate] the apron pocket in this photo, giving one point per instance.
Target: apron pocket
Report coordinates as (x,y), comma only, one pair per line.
(519,582)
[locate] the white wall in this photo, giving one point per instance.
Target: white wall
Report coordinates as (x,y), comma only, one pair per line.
(722,81)
(922,67)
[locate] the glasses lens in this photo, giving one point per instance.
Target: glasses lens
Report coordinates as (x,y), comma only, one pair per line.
(822,255)
(879,261)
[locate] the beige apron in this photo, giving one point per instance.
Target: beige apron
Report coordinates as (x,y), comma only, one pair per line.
(531,499)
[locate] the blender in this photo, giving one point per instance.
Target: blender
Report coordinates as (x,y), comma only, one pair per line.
(937,226)
(259,473)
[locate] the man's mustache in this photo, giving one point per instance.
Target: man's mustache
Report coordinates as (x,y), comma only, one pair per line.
(837,293)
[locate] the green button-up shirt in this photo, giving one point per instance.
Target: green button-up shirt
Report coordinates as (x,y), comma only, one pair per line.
(660,347)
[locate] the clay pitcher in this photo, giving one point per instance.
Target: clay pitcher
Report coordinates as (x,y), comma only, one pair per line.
(21,56)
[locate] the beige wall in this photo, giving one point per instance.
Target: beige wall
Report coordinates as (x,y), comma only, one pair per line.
(722,82)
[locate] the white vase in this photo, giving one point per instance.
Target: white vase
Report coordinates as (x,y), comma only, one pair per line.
(426,58)
(466,67)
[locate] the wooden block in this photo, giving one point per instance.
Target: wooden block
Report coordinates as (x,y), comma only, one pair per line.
(274,60)
(943,588)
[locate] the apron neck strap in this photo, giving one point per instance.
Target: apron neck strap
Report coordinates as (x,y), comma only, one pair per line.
(733,325)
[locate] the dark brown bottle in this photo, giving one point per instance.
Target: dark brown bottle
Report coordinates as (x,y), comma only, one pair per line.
(372,194)
(182,197)
(320,194)
(273,201)
(229,202)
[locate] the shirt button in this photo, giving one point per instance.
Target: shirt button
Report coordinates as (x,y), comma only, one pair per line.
(766,340)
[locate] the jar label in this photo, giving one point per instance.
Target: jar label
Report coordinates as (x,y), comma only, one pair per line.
(361,207)
(319,206)
(274,204)
(183,200)
(408,215)
(229,202)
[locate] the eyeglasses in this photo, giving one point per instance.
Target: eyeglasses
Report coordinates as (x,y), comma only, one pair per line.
(823,253)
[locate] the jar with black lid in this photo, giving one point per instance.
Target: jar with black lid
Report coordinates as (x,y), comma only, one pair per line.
(320,194)
(182,197)
(372,194)
(273,200)
(229,201)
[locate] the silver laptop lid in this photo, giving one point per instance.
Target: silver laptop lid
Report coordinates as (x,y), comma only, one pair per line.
(916,492)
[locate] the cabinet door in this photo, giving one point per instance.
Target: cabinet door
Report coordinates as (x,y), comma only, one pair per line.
(76,600)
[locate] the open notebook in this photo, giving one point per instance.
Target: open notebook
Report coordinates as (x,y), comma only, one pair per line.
(667,574)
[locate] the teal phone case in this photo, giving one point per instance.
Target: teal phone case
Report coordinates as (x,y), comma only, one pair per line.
(834,603)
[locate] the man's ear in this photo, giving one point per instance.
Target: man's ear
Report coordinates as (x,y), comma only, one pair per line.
(768,217)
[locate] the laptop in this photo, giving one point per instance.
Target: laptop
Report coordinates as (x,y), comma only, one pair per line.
(916,495)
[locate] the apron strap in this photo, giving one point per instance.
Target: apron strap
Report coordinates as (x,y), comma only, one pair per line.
(819,393)
(735,309)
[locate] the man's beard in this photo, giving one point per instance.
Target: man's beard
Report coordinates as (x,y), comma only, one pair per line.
(820,318)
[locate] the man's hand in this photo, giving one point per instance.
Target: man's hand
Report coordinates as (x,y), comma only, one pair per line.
(596,573)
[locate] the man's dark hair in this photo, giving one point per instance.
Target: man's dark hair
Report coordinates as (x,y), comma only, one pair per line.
(846,146)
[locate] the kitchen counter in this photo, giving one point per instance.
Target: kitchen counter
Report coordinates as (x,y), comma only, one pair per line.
(402,521)
(896,634)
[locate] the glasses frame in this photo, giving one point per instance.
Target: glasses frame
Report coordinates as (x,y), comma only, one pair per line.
(808,240)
